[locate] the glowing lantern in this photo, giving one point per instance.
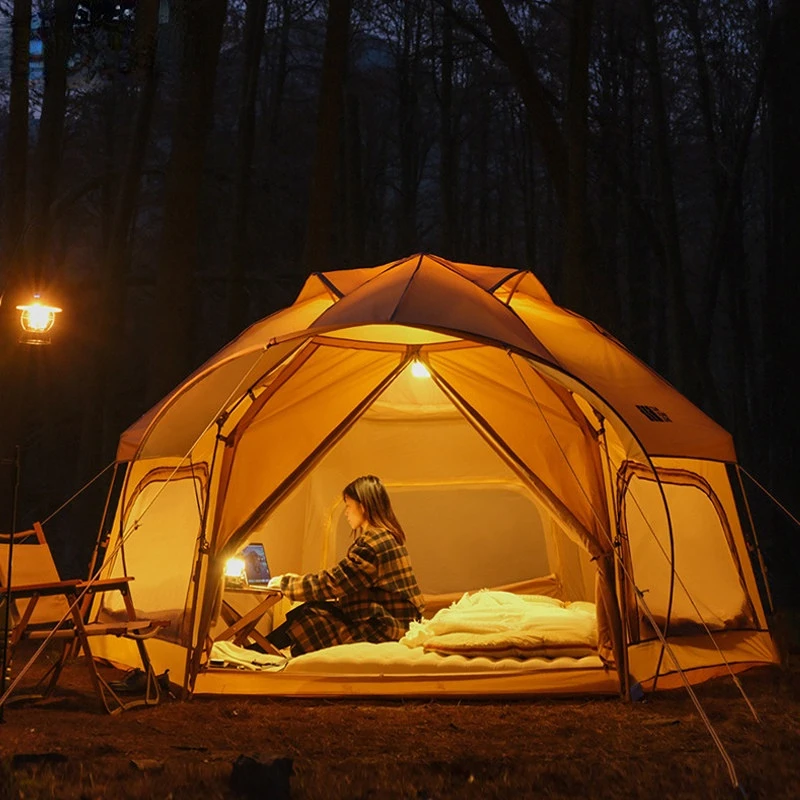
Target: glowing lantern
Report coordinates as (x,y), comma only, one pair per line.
(234,572)
(37,320)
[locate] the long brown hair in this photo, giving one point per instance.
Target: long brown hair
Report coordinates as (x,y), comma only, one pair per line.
(371,493)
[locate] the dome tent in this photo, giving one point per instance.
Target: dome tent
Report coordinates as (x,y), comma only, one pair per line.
(538,452)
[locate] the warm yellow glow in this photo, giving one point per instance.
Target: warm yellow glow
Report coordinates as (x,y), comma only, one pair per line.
(419,370)
(234,568)
(391,334)
(37,317)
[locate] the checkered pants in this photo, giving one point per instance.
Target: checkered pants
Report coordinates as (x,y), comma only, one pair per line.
(319,623)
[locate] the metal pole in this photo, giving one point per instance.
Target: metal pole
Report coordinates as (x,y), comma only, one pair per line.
(7,622)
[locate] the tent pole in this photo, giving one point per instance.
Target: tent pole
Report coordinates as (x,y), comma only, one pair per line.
(621,586)
(761,563)
(103,533)
(665,646)
(7,607)
(572,525)
(264,508)
(203,548)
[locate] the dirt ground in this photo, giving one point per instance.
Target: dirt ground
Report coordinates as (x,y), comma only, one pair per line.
(547,748)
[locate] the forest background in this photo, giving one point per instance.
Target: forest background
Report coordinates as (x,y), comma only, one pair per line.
(173,170)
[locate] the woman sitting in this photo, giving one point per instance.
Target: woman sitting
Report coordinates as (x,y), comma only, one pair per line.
(371,595)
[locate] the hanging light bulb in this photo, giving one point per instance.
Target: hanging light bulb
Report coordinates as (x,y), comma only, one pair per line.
(419,370)
(37,320)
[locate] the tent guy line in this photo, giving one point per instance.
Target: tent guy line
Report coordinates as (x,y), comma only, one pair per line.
(334,395)
(772,497)
(674,572)
(93,578)
(438,307)
(80,491)
(761,564)
(659,633)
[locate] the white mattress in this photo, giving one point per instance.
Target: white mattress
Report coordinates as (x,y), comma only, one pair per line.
(500,642)
(394,658)
(482,633)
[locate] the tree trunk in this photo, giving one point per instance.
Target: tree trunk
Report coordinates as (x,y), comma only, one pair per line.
(688,371)
(524,166)
(578,286)
(726,244)
(278,83)
(51,127)
(144,36)
(253,44)
(354,208)
(173,322)
(13,361)
(609,71)
(782,336)
(481,242)
(448,147)
(320,229)
(565,157)
(409,143)
(112,312)
(16,154)
(543,121)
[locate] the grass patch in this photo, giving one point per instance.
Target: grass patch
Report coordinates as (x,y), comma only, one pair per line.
(345,749)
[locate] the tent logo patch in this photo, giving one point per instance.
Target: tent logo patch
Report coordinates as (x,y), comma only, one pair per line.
(654,414)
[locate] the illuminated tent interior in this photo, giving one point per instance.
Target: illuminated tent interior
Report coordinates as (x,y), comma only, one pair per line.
(525,450)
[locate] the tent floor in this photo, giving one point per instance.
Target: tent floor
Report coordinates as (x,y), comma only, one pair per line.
(562,676)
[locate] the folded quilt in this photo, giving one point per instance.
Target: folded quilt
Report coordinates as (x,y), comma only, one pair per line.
(503,625)
(227,654)
(505,645)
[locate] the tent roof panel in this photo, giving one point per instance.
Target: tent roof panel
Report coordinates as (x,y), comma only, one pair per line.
(338,283)
(425,300)
(663,419)
(425,294)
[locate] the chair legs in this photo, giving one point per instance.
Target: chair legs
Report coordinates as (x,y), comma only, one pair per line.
(76,633)
(112,702)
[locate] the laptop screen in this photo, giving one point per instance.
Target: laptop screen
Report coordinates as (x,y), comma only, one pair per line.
(255,564)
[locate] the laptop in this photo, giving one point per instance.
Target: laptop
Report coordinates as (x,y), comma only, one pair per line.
(256,567)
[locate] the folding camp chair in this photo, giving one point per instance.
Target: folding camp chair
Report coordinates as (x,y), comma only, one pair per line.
(43,606)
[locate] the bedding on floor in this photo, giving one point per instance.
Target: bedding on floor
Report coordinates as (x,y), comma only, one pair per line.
(496,624)
(484,631)
(388,659)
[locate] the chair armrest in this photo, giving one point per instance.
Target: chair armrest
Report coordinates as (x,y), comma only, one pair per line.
(130,629)
(105,585)
(49,588)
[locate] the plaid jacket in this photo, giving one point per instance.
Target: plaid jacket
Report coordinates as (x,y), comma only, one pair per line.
(370,595)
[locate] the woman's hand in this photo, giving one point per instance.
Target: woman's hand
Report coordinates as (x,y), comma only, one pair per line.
(275,580)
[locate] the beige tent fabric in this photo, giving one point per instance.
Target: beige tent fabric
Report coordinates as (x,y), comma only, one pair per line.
(173,426)
(716,480)
(698,660)
(680,587)
(338,283)
(499,396)
(158,525)
(529,408)
(299,417)
(417,294)
(498,280)
(636,393)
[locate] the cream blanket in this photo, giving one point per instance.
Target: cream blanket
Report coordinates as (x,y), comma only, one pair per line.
(505,625)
